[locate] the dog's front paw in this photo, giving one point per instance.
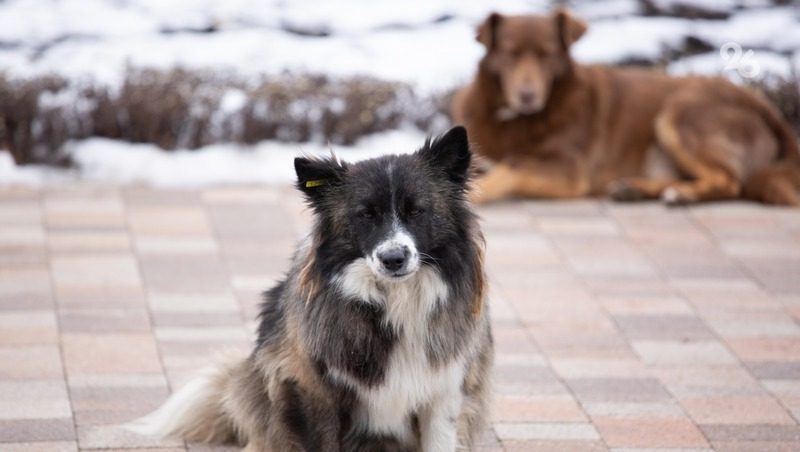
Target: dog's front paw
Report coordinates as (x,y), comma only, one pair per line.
(676,196)
(624,191)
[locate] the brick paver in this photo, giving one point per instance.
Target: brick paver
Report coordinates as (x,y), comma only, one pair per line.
(618,327)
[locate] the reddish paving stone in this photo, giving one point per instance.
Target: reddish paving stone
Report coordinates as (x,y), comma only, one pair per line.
(641,432)
(36,430)
(774,369)
(736,410)
(683,353)
(637,390)
(169,220)
(112,320)
(90,354)
(628,286)
(599,367)
(95,270)
(20,301)
(715,381)
(33,399)
(767,349)
(184,273)
(665,409)
(100,297)
(111,405)
(756,446)
(163,319)
(777,275)
(546,431)
(543,408)
(680,327)
(116,436)
(751,432)
(30,362)
(650,306)
(153,449)
(526,380)
(244,221)
(553,446)
(20,212)
(28,327)
(753,324)
(88,241)
(43,446)
(165,244)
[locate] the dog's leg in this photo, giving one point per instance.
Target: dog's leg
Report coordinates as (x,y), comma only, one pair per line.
(637,188)
(498,183)
(710,162)
(559,176)
(438,429)
(712,184)
(715,186)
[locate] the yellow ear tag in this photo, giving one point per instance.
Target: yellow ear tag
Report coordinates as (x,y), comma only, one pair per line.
(315,183)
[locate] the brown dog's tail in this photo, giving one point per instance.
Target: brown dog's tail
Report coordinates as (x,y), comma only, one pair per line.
(778,183)
(196,412)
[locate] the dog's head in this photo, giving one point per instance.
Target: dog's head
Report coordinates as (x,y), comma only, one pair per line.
(396,212)
(527,54)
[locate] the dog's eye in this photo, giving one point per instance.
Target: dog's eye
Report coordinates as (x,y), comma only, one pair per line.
(366,214)
(414,211)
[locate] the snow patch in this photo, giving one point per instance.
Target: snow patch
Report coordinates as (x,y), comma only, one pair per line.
(116,162)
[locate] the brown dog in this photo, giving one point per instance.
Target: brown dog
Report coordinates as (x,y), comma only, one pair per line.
(557,129)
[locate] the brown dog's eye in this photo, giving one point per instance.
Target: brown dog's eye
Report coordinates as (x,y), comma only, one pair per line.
(366,214)
(415,211)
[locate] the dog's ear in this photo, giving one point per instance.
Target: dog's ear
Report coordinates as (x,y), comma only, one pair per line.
(487,31)
(451,153)
(570,28)
(316,177)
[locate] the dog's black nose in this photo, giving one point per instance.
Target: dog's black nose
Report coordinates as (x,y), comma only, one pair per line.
(394,259)
(527,97)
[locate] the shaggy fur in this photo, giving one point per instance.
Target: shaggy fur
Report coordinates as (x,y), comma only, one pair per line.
(557,129)
(378,338)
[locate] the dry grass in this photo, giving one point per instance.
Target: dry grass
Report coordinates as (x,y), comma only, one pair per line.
(189,109)
(785,94)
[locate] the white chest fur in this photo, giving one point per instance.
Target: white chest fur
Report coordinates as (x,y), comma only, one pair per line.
(410,383)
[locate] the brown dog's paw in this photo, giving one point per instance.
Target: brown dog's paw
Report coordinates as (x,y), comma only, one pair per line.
(624,191)
(677,196)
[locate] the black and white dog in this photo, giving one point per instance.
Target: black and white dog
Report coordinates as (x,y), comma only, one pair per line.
(378,339)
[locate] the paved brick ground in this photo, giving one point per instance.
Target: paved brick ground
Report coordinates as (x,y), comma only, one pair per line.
(618,327)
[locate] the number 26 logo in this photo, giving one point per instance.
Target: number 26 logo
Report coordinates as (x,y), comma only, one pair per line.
(740,61)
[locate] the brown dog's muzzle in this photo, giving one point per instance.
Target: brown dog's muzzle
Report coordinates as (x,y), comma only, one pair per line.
(526,86)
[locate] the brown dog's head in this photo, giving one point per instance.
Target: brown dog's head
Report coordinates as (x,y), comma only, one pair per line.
(527,53)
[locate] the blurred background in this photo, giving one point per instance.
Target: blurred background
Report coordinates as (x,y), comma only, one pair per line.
(194,93)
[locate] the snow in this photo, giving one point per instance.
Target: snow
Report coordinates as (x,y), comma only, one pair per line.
(755,66)
(717,6)
(102,160)
(31,175)
(773,28)
(594,10)
(232,101)
(610,40)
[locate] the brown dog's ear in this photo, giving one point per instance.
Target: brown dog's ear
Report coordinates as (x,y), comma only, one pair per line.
(487,31)
(570,28)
